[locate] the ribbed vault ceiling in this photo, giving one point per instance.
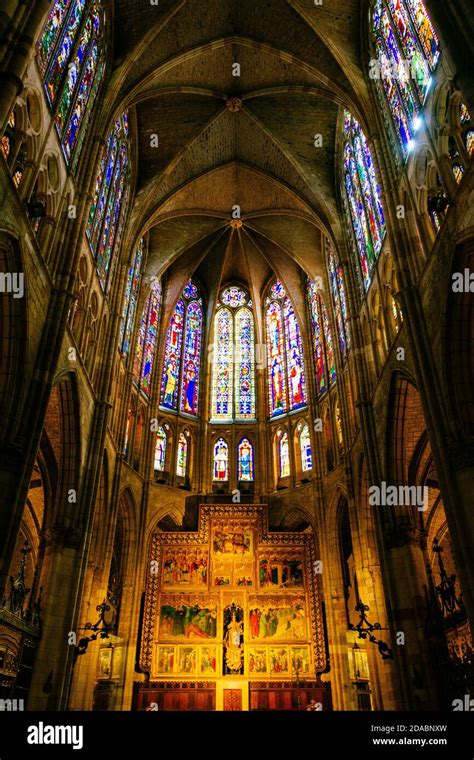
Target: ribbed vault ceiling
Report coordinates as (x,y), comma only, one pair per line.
(300,63)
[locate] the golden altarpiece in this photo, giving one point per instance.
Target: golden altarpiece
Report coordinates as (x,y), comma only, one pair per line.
(233,617)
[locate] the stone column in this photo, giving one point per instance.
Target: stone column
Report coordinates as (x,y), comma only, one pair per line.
(12,77)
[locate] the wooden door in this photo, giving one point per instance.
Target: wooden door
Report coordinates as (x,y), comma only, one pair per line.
(232,699)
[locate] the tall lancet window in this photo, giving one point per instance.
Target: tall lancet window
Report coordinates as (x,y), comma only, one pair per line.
(286,372)
(284,456)
(107,212)
(221,461)
(363,197)
(70,54)
(182,360)
(233,371)
(338,297)
(322,340)
(160,450)
(146,342)
(245,460)
(182,456)
(131,296)
(406,52)
(305,449)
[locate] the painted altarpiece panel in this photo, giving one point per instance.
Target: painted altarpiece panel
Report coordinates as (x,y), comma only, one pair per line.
(232,599)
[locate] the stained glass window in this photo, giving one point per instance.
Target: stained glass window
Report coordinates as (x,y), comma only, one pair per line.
(131,296)
(338,297)
(337,414)
(245,460)
(322,340)
(107,212)
(160,450)
(182,360)
(284,456)
(221,460)
(458,171)
(469,141)
(222,385)
(407,52)
(8,138)
(234,297)
(128,431)
(71,60)
(233,373)
(363,197)
(182,457)
(330,364)
(305,449)
(146,343)
(286,373)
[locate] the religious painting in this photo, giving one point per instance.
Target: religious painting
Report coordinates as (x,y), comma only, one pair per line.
(185,567)
(187,660)
(279,664)
(282,570)
(208,661)
(232,537)
(222,572)
(166,660)
(233,661)
(281,618)
(228,572)
(105,663)
(243,573)
(188,617)
(257,661)
(300,660)
(232,600)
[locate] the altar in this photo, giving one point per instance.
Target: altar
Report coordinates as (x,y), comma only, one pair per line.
(233,616)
